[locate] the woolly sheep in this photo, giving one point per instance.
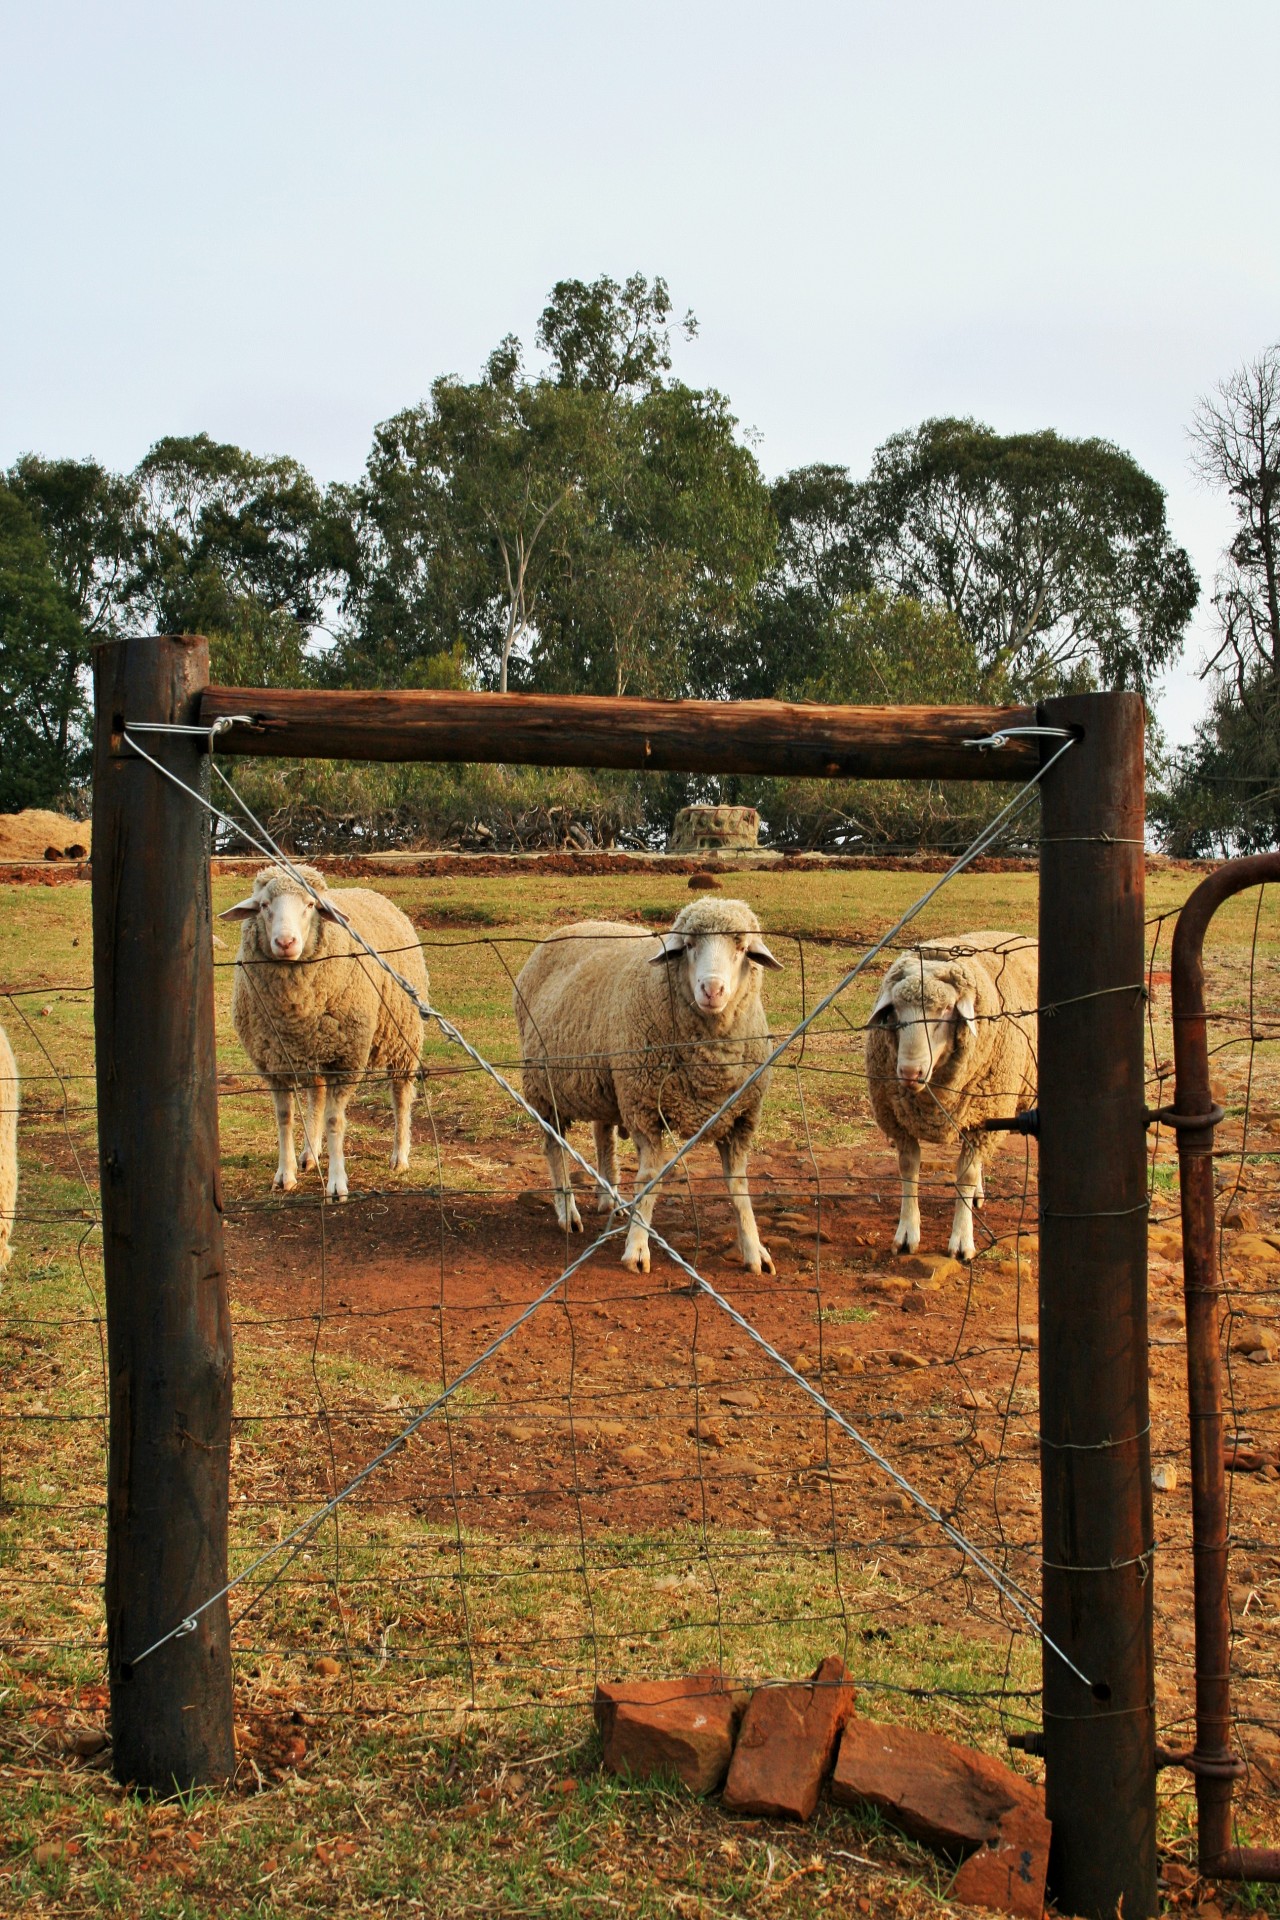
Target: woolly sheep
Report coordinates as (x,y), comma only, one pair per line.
(314,1012)
(8,1144)
(649,1034)
(951,1043)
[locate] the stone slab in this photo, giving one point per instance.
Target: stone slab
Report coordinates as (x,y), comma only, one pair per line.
(1008,1873)
(938,1792)
(786,1742)
(684,1726)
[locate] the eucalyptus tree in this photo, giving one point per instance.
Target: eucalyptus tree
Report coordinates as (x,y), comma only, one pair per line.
(1053,554)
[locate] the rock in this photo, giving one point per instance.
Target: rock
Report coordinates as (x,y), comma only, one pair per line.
(1008,1873)
(740,1399)
(1165,1242)
(845,1360)
(1239,1218)
(929,1269)
(1252,1247)
(327,1667)
(1164,1478)
(684,1726)
(703,883)
(84,1742)
(785,1745)
(1254,1338)
(946,1795)
(903,1357)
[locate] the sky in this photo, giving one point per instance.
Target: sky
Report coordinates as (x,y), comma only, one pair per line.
(277,223)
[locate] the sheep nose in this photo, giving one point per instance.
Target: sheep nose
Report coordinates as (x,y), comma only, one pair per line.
(284,946)
(910,1076)
(712,992)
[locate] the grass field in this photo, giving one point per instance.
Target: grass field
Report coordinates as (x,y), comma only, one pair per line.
(629,1488)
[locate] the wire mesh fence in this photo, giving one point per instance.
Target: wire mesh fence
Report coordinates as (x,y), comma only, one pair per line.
(628,1485)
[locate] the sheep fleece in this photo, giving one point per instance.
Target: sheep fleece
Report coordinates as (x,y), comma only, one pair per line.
(624,1047)
(8,1143)
(334,1012)
(991,1070)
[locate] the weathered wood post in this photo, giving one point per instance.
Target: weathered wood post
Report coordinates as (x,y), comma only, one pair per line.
(1095,1442)
(168,1326)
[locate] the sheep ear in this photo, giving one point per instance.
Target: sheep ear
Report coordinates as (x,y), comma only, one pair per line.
(762,956)
(243,910)
(328,911)
(966,1009)
(882,1006)
(673,945)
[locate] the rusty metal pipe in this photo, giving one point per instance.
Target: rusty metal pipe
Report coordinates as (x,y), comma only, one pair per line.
(1195,1116)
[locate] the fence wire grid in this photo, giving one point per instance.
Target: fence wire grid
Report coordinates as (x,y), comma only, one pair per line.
(629,1487)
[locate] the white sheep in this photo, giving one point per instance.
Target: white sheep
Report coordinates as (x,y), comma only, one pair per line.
(9,1090)
(650,1034)
(951,1043)
(314,1012)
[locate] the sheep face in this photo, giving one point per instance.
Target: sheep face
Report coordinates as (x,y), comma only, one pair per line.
(713,970)
(929,1007)
(287,918)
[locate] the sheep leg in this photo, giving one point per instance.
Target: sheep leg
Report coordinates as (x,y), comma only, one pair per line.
(734,1153)
(402,1092)
(907,1234)
(968,1184)
(561,1186)
(286,1165)
(337,1094)
(311,1100)
(635,1255)
(606,1139)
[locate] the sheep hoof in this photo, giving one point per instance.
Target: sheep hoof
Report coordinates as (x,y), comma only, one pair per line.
(637,1262)
(764,1264)
(308,1163)
(283,1183)
(399,1163)
(905,1242)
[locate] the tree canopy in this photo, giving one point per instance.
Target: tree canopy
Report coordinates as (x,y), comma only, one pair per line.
(1053,554)
(1223,792)
(592,522)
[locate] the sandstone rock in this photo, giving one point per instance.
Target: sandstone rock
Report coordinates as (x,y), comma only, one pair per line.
(1255,1337)
(1253,1249)
(785,1746)
(1240,1218)
(1008,1873)
(943,1794)
(684,1726)
(1164,1478)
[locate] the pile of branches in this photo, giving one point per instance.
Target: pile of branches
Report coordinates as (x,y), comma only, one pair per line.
(541,829)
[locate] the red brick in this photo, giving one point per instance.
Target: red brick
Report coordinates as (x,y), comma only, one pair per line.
(946,1795)
(784,1749)
(683,1726)
(1009,1872)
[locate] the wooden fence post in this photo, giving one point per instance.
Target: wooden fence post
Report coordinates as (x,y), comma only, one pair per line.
(168,1325)
(1095,1443)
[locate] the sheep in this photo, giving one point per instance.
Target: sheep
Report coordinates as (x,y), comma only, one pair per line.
(8,1145)
(951,1043)
(648,1034)
(314,1011)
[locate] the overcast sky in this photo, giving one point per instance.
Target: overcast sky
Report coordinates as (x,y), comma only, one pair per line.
(278,222)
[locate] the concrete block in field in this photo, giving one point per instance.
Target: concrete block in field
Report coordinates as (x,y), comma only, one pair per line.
(702,829)
(786,1743)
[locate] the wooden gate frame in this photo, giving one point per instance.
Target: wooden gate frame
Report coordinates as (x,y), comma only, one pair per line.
(168,1323)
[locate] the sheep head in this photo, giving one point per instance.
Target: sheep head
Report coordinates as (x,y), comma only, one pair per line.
(929,1004)
(713,949)
(287,914)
